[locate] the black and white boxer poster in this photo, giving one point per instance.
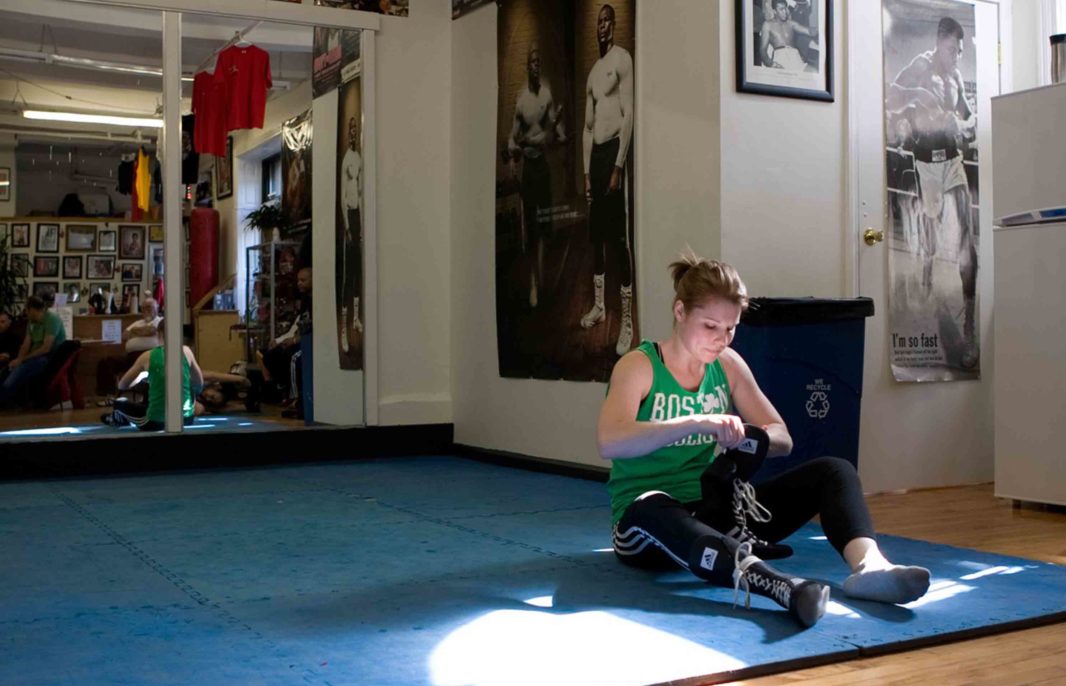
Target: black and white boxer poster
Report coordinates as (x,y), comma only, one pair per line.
(931,164)
(349,223)
(565,283)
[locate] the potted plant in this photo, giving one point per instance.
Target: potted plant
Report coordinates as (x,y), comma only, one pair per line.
(270,220)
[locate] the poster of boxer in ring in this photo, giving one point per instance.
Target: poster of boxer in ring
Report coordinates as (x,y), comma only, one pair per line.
(931,165)
(565,284)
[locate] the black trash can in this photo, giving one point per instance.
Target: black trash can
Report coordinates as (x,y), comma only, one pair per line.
(807,357)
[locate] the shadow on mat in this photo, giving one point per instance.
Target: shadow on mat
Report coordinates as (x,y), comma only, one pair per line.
(576,584)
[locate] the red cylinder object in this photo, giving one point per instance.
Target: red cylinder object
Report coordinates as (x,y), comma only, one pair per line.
(203,253)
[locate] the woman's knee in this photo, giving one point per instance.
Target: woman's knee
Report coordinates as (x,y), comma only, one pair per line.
(833,470)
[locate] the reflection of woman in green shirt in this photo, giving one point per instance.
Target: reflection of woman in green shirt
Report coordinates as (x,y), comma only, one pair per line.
(44,333)
(152,417)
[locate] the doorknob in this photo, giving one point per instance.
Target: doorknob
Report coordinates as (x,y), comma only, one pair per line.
(872,236)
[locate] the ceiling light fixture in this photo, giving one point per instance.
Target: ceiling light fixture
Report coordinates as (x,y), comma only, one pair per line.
(93,118)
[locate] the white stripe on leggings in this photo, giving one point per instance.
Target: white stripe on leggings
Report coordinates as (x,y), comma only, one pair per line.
(641,540)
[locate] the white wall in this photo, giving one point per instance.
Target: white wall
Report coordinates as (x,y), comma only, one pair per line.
(678,177)
(7,160)
(414,87)
(758,181)
(783,181)
(1028,43)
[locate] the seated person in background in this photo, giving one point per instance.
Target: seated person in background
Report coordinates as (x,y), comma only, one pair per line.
(220,389)
(141,334)
(275,361)
(152,417)
(10,341)
(44,333)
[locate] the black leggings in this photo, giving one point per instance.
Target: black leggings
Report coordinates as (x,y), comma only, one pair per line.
(126,411)
(659,532)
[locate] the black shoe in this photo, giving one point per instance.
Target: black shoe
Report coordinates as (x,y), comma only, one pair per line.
(760,548)
(805,600)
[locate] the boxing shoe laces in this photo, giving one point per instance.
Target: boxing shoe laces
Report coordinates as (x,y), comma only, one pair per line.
(745,506)
(805,600)
(742,562)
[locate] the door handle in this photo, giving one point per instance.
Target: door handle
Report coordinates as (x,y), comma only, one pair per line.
(872,236)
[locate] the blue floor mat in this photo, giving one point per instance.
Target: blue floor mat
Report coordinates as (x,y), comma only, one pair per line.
(429,570)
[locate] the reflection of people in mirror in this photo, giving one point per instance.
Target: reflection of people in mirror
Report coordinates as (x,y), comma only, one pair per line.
(352,254)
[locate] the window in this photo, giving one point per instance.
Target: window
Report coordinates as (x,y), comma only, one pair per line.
(272,177)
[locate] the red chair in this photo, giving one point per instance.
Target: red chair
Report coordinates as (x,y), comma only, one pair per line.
(63,386)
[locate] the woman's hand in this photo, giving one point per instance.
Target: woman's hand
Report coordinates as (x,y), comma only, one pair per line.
(727,429)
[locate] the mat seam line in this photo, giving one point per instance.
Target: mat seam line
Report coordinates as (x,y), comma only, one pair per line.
(176,580)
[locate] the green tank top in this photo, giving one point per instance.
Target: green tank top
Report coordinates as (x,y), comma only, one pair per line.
(157,387)
(674,469)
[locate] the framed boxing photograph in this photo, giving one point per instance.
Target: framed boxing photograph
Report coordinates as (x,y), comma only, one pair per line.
(72,265)
(785,48)
(108,241)
(100,267)
(81,238)
(46,265)
(20,235)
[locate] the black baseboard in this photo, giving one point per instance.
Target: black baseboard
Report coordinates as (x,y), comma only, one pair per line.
(148,453)
(535,464)
(145,453)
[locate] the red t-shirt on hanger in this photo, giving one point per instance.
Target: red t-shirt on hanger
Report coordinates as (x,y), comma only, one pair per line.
(245,71)
(209,106)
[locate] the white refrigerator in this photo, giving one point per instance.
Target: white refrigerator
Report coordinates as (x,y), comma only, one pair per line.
(1029,369)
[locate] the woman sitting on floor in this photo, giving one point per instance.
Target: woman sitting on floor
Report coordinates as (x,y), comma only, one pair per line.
(152,416)
(682,460)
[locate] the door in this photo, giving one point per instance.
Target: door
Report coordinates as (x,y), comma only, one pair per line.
(915,434)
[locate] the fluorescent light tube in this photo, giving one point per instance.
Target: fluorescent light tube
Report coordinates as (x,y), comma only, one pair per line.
(93,118)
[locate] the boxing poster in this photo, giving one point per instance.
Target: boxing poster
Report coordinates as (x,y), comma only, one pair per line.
(335,58)
(565,279)
(296,169)
(349,225)
(395,8)
(325,60)
(461,7)
(931,178)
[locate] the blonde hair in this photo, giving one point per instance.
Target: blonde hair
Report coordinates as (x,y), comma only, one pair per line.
(696,279)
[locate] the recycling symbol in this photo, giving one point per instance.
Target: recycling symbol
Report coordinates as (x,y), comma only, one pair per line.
(818,405)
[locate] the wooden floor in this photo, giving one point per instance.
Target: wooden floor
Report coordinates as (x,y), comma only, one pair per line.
(971,517)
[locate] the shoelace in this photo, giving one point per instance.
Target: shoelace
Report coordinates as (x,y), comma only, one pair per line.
(779,589)
(742,559)
(745,505)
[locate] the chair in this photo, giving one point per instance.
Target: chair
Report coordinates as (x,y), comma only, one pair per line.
(60,385)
